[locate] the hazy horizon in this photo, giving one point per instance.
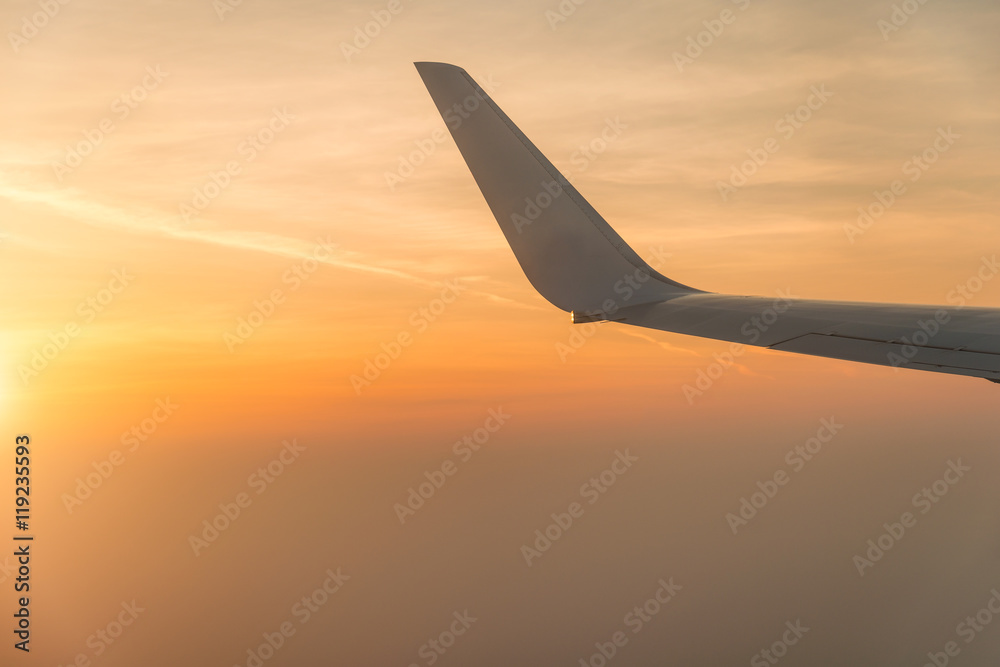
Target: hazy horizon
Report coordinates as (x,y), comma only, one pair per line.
(219,220)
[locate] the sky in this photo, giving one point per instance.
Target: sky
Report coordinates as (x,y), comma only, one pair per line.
(235,239)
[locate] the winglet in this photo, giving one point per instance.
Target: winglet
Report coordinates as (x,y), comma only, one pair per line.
(568,252)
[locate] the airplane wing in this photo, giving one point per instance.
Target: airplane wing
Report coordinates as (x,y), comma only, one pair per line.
(573,257)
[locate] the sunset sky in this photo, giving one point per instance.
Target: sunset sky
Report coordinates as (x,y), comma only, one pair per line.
(171,169)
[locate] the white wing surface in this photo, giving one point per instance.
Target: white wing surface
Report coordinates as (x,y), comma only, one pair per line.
(573,257)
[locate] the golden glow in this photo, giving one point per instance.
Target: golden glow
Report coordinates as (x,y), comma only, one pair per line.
(226,212)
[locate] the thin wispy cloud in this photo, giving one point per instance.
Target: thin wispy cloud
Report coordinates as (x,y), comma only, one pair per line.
(71,203)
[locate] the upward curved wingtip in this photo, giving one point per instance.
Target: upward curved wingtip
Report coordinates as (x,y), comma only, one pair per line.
(568,252)
(427,65)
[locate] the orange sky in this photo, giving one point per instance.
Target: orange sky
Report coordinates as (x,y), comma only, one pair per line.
(238,159)
(200,87)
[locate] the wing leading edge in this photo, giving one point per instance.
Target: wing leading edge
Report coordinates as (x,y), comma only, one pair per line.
(573,257)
